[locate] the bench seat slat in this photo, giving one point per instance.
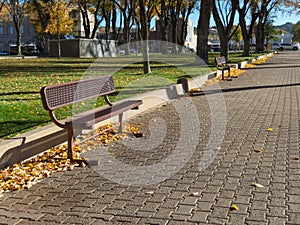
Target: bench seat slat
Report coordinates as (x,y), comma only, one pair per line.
(100,114)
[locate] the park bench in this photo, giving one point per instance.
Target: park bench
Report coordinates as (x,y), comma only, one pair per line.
(221,64)
(62,95)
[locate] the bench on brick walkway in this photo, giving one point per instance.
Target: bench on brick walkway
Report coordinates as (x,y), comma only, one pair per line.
(221,64)
(61,95)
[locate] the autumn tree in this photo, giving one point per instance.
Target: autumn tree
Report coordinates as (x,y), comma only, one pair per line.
(40,16)
(127,8)
(247,12)
(84,7)
(224,15)
(237,36)
(2,2)
(107,13)
(164,18)
(185,12)
(174,9)
(60,21)
(17,10)
(271,31)
(203,31)
(264,8)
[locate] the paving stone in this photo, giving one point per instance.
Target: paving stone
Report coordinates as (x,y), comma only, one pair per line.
(293,218)
(277,220)
(153,221)
(199,216)
(236,219)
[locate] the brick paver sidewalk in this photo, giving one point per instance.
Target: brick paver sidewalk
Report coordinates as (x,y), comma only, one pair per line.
(267,96)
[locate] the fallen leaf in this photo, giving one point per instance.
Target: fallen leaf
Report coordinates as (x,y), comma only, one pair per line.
(258,150)
(297,158)
(270,129)
(193,90)
(234,207)
(254,184)
(149,192)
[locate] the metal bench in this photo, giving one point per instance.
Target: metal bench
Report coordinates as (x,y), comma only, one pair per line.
(61,95)
(221,64)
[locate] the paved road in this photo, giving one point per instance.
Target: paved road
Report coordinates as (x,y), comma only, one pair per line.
(167,183)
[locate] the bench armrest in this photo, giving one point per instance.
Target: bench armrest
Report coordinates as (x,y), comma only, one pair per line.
(107,100)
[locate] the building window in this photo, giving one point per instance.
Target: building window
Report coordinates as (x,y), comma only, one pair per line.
(11,30)
(1,30)
(22,29)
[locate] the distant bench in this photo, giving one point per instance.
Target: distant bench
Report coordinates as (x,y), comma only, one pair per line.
(221,64)
(61,95)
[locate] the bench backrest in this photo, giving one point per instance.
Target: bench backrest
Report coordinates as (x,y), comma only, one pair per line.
(220,60)
(56,96)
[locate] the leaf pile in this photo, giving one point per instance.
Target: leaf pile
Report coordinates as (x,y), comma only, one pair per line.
(259,61)
(233,73)
(249,65)
(31,171)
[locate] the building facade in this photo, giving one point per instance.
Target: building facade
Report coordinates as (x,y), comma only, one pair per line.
(8,34)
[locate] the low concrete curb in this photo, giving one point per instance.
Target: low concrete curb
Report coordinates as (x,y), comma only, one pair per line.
(28,144)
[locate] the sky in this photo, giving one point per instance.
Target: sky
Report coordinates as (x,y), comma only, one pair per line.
(282,18)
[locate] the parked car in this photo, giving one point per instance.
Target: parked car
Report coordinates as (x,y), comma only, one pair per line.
(288,46)
(133,51)
(275,46)
(120,51)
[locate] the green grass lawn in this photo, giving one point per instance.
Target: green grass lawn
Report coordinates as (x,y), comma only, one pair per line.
(21,79)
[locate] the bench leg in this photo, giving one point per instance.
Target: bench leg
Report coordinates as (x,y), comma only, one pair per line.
(70,144)
(120,121)
(223,75)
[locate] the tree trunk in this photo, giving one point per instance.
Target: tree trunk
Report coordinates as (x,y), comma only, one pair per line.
(17,24)
(224,51)
(19,42)
(144,36)
(224,26)
(247,31)
(259,37)
(58,33)
(246,47)
(86,23)
(203,31)
(114,23)
(174,36)
(163,21)
(58,46)
(126,36)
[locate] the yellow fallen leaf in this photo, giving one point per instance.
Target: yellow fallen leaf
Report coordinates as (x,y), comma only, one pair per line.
(258,150)
(193,90)
(270,129)
(149,192)
(234,207)
(254,184)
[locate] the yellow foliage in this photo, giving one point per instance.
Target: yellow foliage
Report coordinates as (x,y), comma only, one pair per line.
(59,22)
